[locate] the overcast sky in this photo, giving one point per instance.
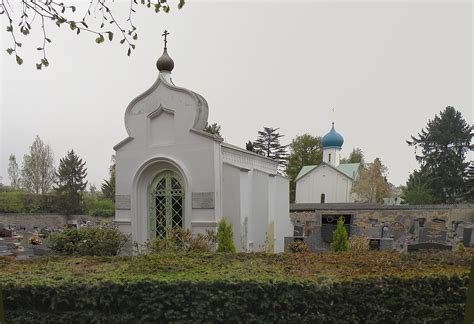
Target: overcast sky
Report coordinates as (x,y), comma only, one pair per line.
(385,68)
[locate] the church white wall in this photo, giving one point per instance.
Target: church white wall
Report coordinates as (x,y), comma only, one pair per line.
(231,190)
(258,220)
(161,124)
(246,193)
(283,226)
(323,179)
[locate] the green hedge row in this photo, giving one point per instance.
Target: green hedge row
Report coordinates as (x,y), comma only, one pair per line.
(388,300)
(23,202)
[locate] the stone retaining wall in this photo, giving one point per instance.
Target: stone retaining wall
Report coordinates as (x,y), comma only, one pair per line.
(47,220)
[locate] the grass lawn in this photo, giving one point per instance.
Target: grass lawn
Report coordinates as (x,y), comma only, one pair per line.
(311,267)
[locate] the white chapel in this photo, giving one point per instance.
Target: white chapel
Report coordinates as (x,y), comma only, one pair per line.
(170,172)
(330,181)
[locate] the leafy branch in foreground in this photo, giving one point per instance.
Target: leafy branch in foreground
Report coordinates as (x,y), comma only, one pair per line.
(22,16)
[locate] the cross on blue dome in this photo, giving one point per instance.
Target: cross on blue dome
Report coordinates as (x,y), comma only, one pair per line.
(332,139)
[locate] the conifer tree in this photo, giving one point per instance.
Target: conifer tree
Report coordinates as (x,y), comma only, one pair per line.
(70,183)
(444,145)
(268,145)
(225,237)
(340,241)
(108,187)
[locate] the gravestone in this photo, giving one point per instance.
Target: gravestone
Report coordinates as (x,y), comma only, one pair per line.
(468,236)
(428,246)
(431,235)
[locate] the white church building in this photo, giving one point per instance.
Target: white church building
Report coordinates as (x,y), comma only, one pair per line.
(330,181)
(170,173)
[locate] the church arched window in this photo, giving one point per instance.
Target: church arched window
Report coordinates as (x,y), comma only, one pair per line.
(166,204)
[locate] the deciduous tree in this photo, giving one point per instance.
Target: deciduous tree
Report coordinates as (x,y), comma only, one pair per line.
(356,156)
(14,173)
(444,145)
(304,150)
(98,18)
(38,172)
(70,183)
(371,185)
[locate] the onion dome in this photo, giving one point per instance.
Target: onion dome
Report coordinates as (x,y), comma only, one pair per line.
(165,63)
(332,139)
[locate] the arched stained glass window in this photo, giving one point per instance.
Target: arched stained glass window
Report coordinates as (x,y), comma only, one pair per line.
(166,202)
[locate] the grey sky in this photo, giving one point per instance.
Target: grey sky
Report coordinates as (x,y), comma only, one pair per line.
(386,68)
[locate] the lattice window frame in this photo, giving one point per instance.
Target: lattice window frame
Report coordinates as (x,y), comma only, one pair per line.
(166,198)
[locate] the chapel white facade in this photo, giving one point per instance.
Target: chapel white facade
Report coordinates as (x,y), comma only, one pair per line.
(170,172)
(330,181)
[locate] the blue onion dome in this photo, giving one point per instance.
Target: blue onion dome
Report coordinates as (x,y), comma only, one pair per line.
(332,139)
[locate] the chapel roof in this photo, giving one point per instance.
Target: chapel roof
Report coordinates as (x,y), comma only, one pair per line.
(348,169)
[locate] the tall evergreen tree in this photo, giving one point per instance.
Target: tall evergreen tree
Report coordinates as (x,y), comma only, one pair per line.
(304,150)
(38,172)
(14,173)
(268,145)
(444,145)
(418,189)
(70,183)
(108,187)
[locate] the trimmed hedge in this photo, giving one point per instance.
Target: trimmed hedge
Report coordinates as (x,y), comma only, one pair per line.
(378,300)
(22,202)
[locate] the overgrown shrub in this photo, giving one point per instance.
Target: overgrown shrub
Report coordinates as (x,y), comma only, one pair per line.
(298,246)
(339,237)
(182,240)
(225,237)
(358,244)
(95,241)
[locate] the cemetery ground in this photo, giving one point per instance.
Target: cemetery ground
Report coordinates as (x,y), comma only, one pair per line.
(368,286)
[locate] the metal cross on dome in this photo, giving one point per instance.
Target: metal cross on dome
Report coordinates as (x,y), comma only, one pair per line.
(166,33)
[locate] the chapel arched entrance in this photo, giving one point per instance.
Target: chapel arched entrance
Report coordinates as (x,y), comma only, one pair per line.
(166,204)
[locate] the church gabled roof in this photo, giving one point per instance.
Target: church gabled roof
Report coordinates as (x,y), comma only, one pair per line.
(348,169)
(305,170)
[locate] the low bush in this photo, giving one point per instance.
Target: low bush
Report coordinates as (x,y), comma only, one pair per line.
(182,240)
(358,244)
(298,246)
(340,240)
(93,241)
(225,237)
